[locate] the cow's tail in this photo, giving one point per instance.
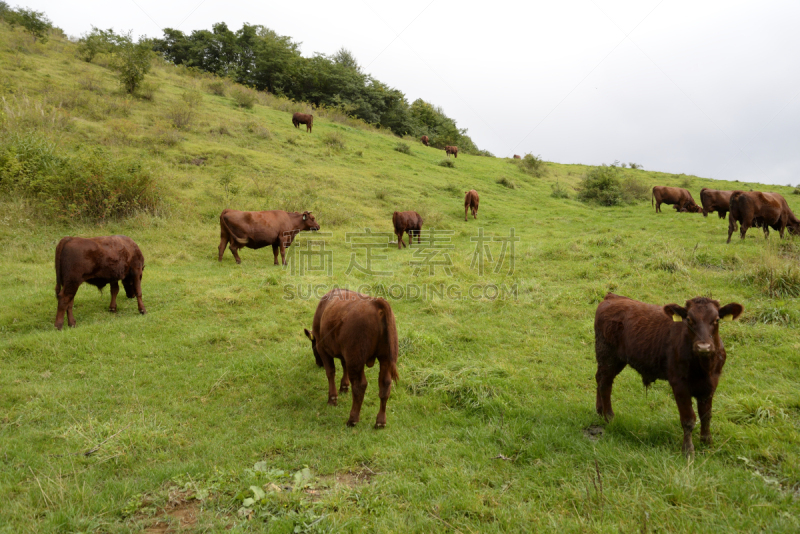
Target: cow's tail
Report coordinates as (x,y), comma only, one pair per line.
(652,194)
(391,336)
(59,276)
(395,217)
(223,223)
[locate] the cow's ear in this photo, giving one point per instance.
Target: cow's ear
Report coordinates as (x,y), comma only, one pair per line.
(731,311)
(305,216)
(309,335)
(677,313)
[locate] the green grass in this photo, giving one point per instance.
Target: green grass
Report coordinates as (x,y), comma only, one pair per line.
(215,390)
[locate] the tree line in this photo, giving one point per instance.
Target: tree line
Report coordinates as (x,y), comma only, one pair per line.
(258,57)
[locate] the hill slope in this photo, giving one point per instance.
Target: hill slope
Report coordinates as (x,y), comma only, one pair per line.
(491,428)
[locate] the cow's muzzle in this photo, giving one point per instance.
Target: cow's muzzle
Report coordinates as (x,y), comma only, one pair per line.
(703,348)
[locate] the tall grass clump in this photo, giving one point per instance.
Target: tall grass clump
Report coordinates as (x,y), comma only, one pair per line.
(403,148)
(558,191)
(505,182)
(776,281)
(217,87)
(244,97)
(633,190)
(334,140)
(796,190)
(601,185)
(447,162)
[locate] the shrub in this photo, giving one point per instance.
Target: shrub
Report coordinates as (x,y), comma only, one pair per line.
(447,162)
(132,62)
(634,166)
(558,191)
(505,182)
(334,140)
(533,165)
(633,190)
(35,23)
(217,87)
(601,185)
(403,148)
(244,97)
(180,115)
(258,130)
(97,42)
(796,190)
(192,97)
(147,90)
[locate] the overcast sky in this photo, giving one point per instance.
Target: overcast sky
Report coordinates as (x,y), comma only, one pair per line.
(710,88)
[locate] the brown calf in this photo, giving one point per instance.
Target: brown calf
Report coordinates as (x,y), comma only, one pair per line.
(754,208)
(302,118)
(673,195)
(516,156)
(258,229)
(471,201)
(425,140)
(687,353)
(99,261)
(407,221)
(451,150)
(357,330)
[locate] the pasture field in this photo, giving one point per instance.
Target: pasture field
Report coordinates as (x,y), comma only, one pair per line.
(209,413)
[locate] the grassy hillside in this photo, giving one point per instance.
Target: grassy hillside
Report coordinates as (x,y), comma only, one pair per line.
(209,412)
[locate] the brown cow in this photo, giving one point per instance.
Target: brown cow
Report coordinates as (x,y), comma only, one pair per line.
(357,330)
(258,229)
(688,353)
(425,140)
(451,150)
(302,118)
(471,201)
(715,200)
(673,195)
(99,261)
(754,208)
(516,156)
(407,221)
(688,208)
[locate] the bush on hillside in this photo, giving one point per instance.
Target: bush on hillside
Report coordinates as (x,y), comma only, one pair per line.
(35,23)
(602,186)
(559,191)
(132,62)
(447,162)
(633,190)
(334,140)
(403,148)
(244,97)
(533,165)
(505,182)
(217,87)
(796,190)
(97,42)
(90,185)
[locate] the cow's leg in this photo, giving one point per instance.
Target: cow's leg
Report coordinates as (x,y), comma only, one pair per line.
(359,384)
(704,408)
(137,287)
(63,306)
(475,213)
(606,373)
(70,314)
(743,228)
(283,253)
(345,384)
(400,240)
(684,400)
(114,291)
(223,242)
(275,249)
(419,236)
(385,386)
(330,371)
(658,206)
(235,252)
(466,211)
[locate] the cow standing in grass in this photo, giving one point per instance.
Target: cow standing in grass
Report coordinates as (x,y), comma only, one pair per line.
(258,229)
(715,200)
(754,208)
(451,150)
(407,222)
(471,200)
(357,330)
(303,118)
(425,140)
(98,261)
(674,195)
(673,343)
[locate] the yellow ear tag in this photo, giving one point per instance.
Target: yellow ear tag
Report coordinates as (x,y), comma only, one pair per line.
(677,318)
(728,317)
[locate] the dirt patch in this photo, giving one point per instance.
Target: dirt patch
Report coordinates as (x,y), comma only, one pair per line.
(351,479)
(593,432)
(179,513)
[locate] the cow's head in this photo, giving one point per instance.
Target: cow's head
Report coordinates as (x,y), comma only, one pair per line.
(129,282)
(310,336)
(701,316)
(309,222)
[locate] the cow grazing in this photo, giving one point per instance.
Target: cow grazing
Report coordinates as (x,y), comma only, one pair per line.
(516,156)
(451,150)
(673,195)
(471,200)
(688,208)
(258,229)
(425,140)
(99,261)
(357,330)
(407,222)
(302,118)
(715,200)
(754,208)
(673,343)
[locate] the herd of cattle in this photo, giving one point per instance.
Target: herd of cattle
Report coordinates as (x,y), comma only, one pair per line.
(750,209)
(679,344)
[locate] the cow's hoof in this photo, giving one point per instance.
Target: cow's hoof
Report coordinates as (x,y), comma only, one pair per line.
(380,425)
(59,327)
(351,423)
(142,312)
(333,401)
(344,389)
(708,440)
(112,310)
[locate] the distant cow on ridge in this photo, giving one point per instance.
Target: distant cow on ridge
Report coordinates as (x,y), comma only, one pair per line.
(471,201)
(425,140)
(688,353)
(673,195)
(357,330)
(258,229)
(407,221)
(99,261)
(754,208)
(517,156)
(302,118)
(451,150)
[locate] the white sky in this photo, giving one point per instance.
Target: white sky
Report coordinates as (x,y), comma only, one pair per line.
(710,88)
